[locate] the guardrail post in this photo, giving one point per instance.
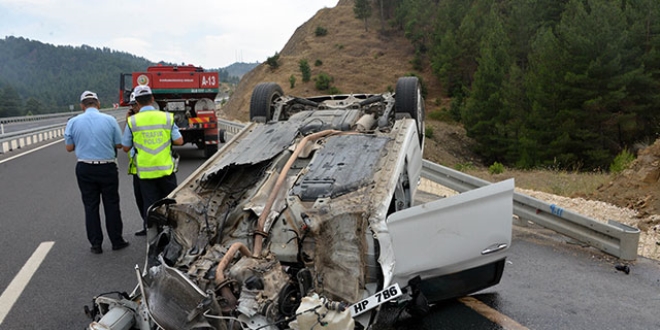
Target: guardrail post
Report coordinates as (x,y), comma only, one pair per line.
(628,241)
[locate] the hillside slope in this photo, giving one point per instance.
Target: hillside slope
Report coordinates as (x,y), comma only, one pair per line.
(359,61)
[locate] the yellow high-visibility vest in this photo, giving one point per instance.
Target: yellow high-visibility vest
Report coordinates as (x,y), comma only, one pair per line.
(152,139)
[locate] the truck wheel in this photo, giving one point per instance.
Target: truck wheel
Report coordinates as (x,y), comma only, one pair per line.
(222,136)
(210,150)
(408,100)
(262,102)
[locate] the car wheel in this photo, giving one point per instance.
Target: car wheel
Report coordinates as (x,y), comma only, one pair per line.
(262,102)
(408,100)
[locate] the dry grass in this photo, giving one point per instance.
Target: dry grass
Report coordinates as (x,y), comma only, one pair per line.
(563,183)
(359,61)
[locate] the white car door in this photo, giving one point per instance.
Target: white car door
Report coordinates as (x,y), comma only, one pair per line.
(455,245)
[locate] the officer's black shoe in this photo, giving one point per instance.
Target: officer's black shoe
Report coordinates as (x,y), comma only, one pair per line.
(120,245)
(96,249)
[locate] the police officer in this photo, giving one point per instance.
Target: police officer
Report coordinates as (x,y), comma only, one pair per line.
(132,170)
(95,137)
(151,133)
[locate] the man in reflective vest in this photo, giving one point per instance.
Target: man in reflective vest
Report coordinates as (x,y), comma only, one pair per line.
(134,108)
(151,133)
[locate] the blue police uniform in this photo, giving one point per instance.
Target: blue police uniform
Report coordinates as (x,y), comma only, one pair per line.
(94,136)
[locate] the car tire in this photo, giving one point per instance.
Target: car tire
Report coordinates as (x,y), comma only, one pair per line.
(262,102)
(408,100)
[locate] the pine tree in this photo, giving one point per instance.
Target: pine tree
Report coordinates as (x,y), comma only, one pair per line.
(594,35)
(362,10)
(543,81)
(305,70)
(485,117)
(643,51)
(33,106)
(10,102)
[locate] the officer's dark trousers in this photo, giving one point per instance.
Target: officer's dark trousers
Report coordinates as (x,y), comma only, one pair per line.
(138,198)
(96,183)
(154,190)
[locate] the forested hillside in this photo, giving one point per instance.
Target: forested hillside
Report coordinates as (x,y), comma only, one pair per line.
(41,78)
(560,83)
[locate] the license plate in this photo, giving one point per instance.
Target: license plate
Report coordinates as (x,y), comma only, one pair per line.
(377,299)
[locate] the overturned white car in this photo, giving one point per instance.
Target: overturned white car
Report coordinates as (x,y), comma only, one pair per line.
(306,218)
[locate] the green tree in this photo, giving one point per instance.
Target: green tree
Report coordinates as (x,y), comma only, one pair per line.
(643,17)
(33,106)
(517,107)
(362,10)
(595,37)
(446,55)
(542,83)
(484,116)
(522,23)
(292,81)
(10,102)
(305,70)
(274,61)
(320,31)
(323,81)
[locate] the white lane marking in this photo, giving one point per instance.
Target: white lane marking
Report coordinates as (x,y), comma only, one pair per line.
(18,284)
(494,316)
(30,151)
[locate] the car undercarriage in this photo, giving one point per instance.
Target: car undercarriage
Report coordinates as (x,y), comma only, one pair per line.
(306,217)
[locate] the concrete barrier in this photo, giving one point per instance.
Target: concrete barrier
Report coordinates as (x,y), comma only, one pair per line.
(21,141)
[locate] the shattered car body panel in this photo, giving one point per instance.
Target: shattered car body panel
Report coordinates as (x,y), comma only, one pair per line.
(309,207)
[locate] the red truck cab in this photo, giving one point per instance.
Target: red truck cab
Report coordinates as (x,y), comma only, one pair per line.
(188,92)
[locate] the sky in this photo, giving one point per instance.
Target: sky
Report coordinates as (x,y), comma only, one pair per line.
(206,33)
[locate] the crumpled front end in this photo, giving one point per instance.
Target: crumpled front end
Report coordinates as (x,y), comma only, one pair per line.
(249,240)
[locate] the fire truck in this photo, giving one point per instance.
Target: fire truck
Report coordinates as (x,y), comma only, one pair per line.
(188,92)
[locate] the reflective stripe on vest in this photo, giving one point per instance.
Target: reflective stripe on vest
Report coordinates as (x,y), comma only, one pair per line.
(152,139)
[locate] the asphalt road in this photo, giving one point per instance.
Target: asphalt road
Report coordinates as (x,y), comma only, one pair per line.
(548,282)
(40,202)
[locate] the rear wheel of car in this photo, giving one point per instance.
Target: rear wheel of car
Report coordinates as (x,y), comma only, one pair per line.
(262,102)
(408,100)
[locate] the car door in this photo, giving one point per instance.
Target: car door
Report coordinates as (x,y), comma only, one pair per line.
(455,245)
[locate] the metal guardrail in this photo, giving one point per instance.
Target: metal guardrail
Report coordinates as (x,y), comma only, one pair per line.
(30,131)
(613,237)
(31,137)
(19,139)
(7,120)
(230,126)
